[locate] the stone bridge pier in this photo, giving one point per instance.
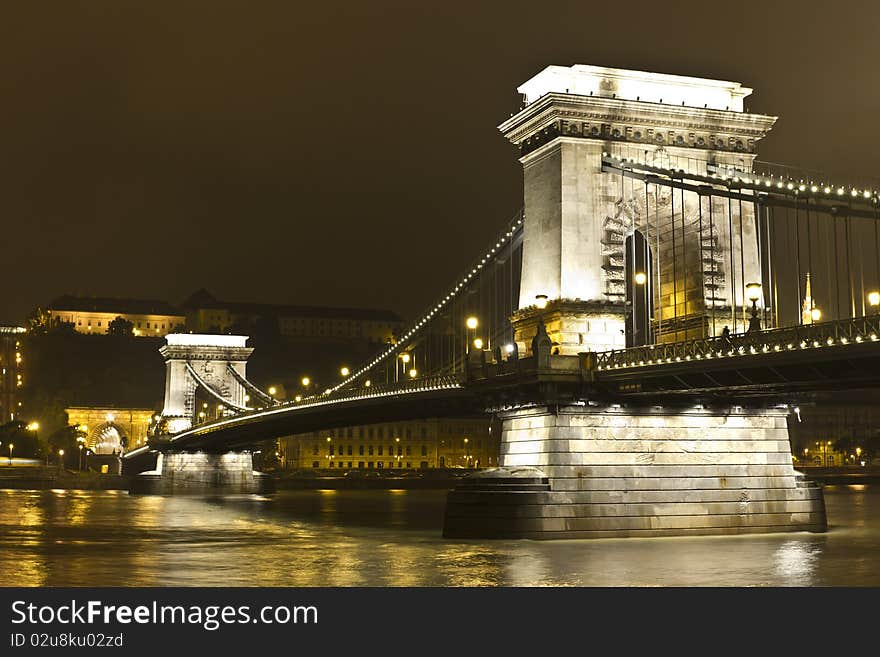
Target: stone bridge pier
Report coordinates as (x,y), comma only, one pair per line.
(603,471)
(200,473)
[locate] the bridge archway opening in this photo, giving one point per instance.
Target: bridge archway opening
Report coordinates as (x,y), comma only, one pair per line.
(107,438)
(639,284)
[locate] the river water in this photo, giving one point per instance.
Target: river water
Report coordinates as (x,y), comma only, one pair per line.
(391,538)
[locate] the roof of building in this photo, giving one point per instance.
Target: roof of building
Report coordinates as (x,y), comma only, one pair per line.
(202,299)
(113,305)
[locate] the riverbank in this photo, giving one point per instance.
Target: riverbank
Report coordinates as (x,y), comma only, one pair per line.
(49,477)
(842,475)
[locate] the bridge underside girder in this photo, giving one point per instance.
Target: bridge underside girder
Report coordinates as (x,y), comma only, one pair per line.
(783,375)
(248,430)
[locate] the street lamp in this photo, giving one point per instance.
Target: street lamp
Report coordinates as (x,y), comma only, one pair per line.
(815,314)
(472,323)
(413,373)
(478,343)
(10,453)
(60,458)
(753,294)
(640,278)
(344,371)
(272,390)
(541,301)
(874,298)
(306,381)
(467,452)
(404,358)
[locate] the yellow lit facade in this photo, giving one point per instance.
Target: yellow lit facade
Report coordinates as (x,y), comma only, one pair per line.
(415,445)
(92,315)
(104,427)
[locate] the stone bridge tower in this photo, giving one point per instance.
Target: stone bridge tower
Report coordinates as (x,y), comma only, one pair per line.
(195,360)
(579,220)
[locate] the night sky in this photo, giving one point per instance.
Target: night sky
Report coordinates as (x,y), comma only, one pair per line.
(346,153)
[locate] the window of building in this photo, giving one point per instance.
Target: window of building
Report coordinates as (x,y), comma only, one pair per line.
(400,464)
(331,450)
(331,464)
(370,450)
(409,465)
(380,450)
(369,465)
(424,450)
(349,451)
(360,465)
(370,432)
(315,464)
(423,465)
(408,450)
(380,464)
(424,432)
(381,433)
(349,465)
(348,433)
(360,450)
(408,434)
(315,450)
(400,450)
(99,322)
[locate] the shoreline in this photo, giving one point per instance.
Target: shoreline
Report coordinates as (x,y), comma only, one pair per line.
(48,478)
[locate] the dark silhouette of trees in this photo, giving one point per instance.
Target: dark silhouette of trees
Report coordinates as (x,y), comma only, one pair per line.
(120,327)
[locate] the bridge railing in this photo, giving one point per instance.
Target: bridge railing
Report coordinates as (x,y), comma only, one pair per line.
(791,338)
(421,384)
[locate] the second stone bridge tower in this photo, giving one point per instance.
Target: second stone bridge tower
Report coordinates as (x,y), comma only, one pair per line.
(610,262)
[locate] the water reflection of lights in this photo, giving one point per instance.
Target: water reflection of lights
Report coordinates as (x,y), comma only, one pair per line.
(795,561)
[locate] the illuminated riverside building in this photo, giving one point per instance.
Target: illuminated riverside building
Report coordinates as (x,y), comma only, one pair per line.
(206,314)
(414,445)
(92,315)
(814,439)
(11,374)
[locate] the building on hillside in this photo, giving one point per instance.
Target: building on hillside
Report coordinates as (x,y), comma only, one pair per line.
(207,314)
(92,315)
(107,429)
(422,445)
(11,375)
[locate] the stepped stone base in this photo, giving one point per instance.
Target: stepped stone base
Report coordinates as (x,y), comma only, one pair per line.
(200,473)
(585,472)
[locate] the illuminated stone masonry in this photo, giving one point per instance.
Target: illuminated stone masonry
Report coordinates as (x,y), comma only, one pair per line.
(195,359)
(578,218)
(583,472)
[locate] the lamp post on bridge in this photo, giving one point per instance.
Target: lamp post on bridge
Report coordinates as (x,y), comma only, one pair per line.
(753,293)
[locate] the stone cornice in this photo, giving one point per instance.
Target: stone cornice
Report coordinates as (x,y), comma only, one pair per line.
(606,119)
(180,352)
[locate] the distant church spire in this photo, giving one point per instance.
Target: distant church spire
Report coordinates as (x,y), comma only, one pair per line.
(808,305)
